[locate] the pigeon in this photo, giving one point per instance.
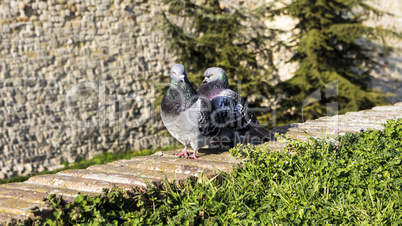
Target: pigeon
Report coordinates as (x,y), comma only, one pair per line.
(188,116)
(232,109)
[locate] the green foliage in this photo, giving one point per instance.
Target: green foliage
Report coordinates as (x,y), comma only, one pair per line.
(103,158)
(328,51)
(109,208)
(209,35)
(356,180)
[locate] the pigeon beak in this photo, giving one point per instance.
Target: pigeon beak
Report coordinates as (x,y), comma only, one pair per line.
(181,78)
(205,80)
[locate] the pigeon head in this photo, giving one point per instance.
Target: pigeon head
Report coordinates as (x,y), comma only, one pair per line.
(178,73)
(179,82)
(215,74)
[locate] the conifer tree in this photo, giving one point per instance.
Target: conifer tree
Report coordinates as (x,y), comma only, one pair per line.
(328,51)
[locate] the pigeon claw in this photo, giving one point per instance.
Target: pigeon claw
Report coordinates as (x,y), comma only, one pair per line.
(216,144)
(193,156)
(184,153)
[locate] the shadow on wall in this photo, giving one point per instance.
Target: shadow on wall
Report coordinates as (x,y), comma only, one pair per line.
(389,78)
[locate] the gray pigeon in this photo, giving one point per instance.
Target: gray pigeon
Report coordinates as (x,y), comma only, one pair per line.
(232,109)
(188,116)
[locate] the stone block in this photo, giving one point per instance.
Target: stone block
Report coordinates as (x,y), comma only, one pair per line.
(42,5)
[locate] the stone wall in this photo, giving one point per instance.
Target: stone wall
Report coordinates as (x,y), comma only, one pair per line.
(77,77)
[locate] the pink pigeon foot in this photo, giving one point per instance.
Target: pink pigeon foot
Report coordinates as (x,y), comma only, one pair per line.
(185,153)
(214,143)
(193,155)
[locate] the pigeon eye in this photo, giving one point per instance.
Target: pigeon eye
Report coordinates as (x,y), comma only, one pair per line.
(174,72)
(212,75)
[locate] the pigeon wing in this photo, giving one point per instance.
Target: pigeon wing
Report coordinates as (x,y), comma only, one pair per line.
(233,110)
(208,120)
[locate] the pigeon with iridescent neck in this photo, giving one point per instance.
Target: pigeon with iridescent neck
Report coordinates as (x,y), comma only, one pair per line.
(231,107)
(188,116)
